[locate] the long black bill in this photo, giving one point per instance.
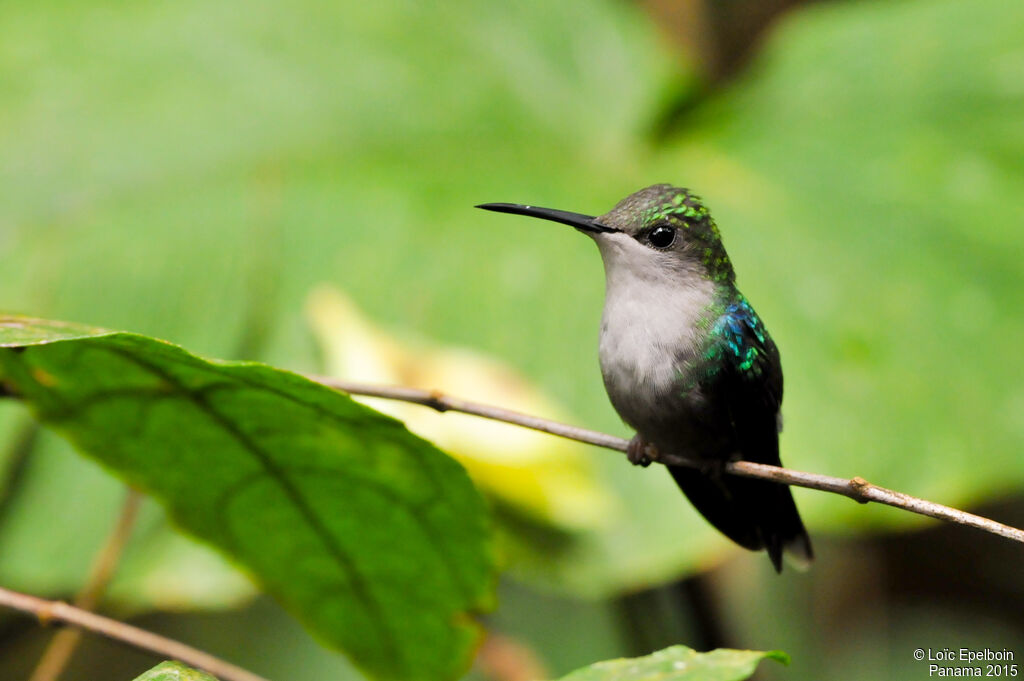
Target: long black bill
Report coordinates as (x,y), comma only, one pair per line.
(577,220)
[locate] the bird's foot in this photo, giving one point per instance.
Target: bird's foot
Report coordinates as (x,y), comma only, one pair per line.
(713,468)
(640,452)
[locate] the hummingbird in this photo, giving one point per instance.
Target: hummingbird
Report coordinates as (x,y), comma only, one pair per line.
(688,363)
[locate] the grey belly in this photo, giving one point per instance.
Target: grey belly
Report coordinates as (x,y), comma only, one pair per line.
(676,420)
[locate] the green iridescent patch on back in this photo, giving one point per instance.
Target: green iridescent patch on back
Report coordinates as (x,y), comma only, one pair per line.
(736,340)
(738,337)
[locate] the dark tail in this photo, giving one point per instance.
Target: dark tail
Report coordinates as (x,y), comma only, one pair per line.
(753,513)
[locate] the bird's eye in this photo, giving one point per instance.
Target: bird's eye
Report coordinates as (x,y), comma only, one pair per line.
(662,236)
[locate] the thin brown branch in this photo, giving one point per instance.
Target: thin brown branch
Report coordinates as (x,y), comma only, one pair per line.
(55,611)
(855,488)
(57,655)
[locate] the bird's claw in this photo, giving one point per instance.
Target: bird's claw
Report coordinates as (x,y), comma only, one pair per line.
(640,453)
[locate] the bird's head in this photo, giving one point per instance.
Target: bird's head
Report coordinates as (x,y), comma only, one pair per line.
(658,231)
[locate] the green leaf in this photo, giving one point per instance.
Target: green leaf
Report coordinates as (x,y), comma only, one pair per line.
(160,568)
(679,663)
(370,535)
(174,671)
(135,196)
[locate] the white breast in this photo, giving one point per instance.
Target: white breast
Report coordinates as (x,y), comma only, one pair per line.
(651,321)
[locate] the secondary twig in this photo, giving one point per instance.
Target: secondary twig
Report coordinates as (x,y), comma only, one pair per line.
(856,488)
(504,658)
(56,611)
(56,656)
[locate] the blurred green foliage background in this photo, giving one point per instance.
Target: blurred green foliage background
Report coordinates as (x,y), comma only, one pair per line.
(191,170)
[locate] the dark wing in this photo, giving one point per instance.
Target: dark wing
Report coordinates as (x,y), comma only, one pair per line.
(745,378)
(743,384)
